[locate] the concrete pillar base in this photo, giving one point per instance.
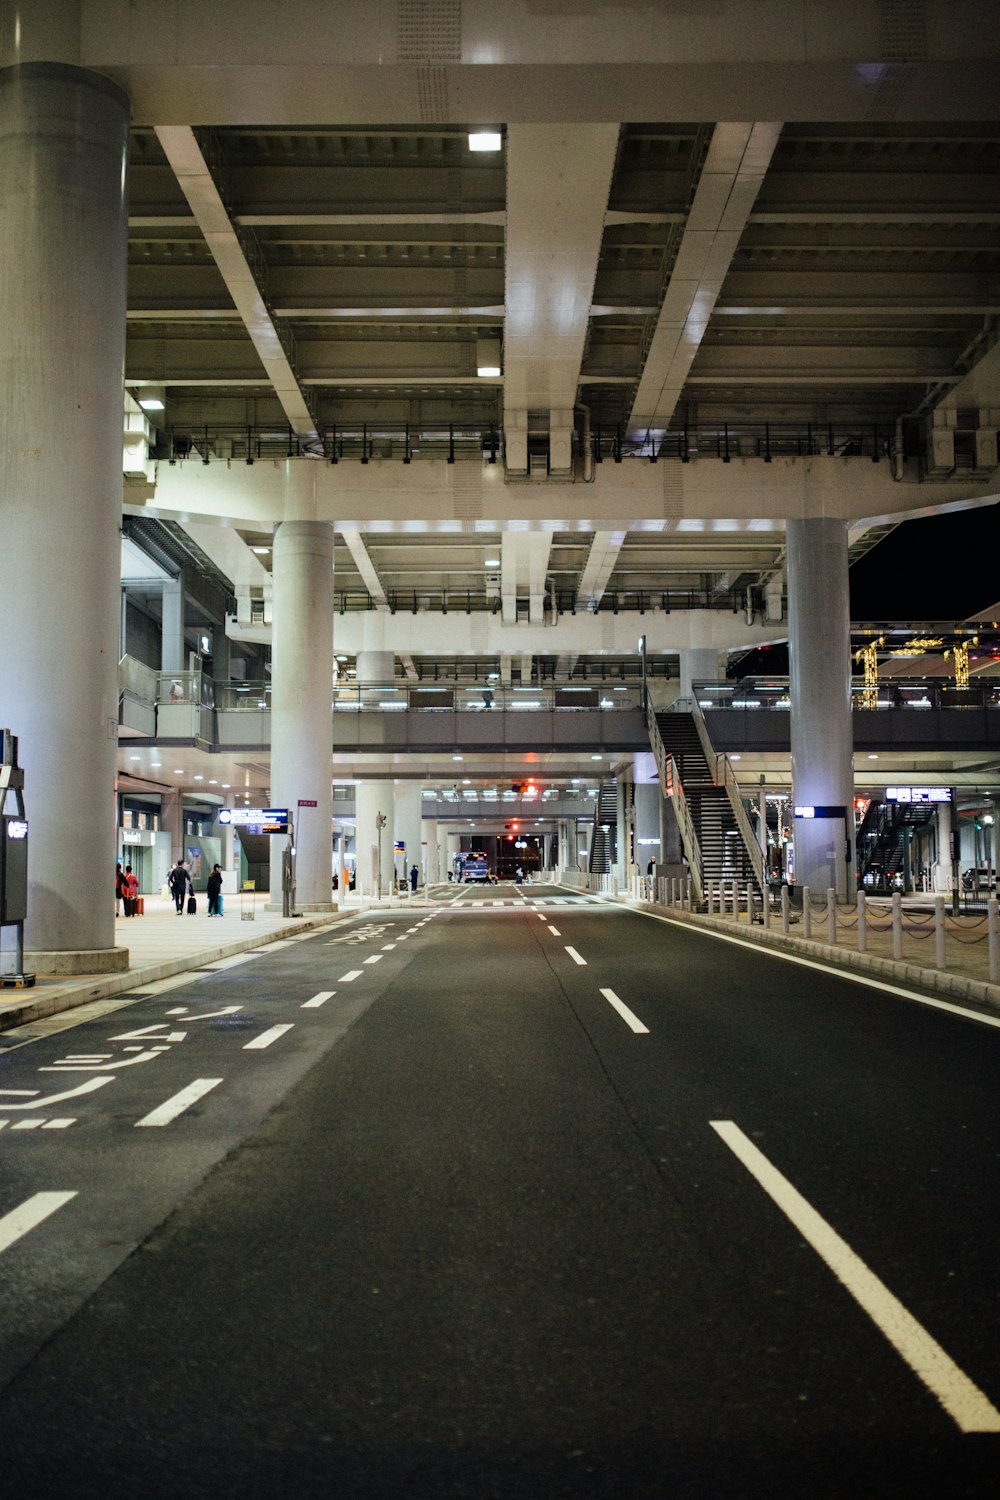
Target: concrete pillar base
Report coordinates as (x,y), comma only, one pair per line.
(302,908)
(76,960)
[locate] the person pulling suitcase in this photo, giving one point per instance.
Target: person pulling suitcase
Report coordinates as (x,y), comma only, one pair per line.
(179,882)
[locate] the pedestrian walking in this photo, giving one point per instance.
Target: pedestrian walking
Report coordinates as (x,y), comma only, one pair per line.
(131,891)
(179,882)
(414,877)
(518,875)
(121,889)
(214,889)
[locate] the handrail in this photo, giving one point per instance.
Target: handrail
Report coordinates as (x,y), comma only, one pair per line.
(673,789)
(723,775)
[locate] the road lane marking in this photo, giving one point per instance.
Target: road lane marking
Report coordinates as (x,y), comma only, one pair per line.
(318,1000)
(351,974)
(962,1400)
(555,932)
(29,1214)
(178,1103)
(266,1038)
(376,958)
(388,947)
(628,1016)
(541,916)
(574,955)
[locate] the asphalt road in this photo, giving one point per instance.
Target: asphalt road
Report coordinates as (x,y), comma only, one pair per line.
(539,1199)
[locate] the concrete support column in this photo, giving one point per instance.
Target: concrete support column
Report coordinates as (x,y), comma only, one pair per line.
(172,822)
(441,845)
(373,848)
(406,796)
(301,734)
(429,852)
(621,865)
(173,657)
(944,865)
(63,186)
(647,824)
(701,664)
(820,687)
(375,667)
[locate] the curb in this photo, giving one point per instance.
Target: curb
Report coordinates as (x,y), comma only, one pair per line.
(936,981)
(103,987)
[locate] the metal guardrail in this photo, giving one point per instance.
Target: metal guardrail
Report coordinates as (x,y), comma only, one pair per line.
(363,442)
(756,694)
(672,788)
(446,697)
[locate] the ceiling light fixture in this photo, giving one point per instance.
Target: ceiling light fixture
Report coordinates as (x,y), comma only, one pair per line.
(485,140)
(487,357)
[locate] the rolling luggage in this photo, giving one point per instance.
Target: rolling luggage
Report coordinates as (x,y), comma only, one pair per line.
(140,906)
(192,906)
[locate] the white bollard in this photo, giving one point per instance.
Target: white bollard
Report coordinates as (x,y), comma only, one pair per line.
(939,954)
(862,928)
(897,926)
(831,916)
(807,916)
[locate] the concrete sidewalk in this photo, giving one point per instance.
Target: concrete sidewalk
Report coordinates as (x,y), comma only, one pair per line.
(161,944)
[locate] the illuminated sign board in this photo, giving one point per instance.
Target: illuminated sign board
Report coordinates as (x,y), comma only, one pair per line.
(821,812)
(256,819)
(17,828)
(918,794)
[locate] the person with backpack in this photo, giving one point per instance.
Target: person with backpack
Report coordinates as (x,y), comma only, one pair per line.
(179,882)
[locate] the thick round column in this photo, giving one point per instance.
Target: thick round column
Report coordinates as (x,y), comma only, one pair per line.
(406,800)
(63,221)
(699,664)
(373,799)
(301,734)
(819,621)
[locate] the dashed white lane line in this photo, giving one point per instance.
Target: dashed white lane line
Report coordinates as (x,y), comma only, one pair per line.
(351,974)
(29,1214)
(574,955)
(376,958)
(555,932)
(541,916)
(320,999)
(962,1400)
(388,947)
(629,1017)
(266,1038)
(178,1103)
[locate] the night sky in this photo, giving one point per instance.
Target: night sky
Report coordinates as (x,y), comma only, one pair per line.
(941,568)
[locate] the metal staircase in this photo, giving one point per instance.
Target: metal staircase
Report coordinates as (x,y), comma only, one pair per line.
(725,843)
(605,833)
(882,838)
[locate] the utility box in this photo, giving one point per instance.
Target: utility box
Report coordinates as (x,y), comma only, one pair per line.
(13,868)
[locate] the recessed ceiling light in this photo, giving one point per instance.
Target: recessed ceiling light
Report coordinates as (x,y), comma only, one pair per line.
(156,764)
(485,140)
(597,757)
(199,778)
(153,403)
(260,550)
(458,757)
(873,757)
(135,757)
(226,785)
(736,757)
(492,562)
(178,773)
(342,658)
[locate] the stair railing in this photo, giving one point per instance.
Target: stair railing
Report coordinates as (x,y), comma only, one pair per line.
(673,789)
(723,774)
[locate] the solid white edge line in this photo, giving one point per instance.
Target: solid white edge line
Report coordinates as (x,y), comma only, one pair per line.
(964,1402)
(812,963)
(266,1038)
(628,1016)
(29,1214)
(319,999)
(574,955)
(178,1103)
